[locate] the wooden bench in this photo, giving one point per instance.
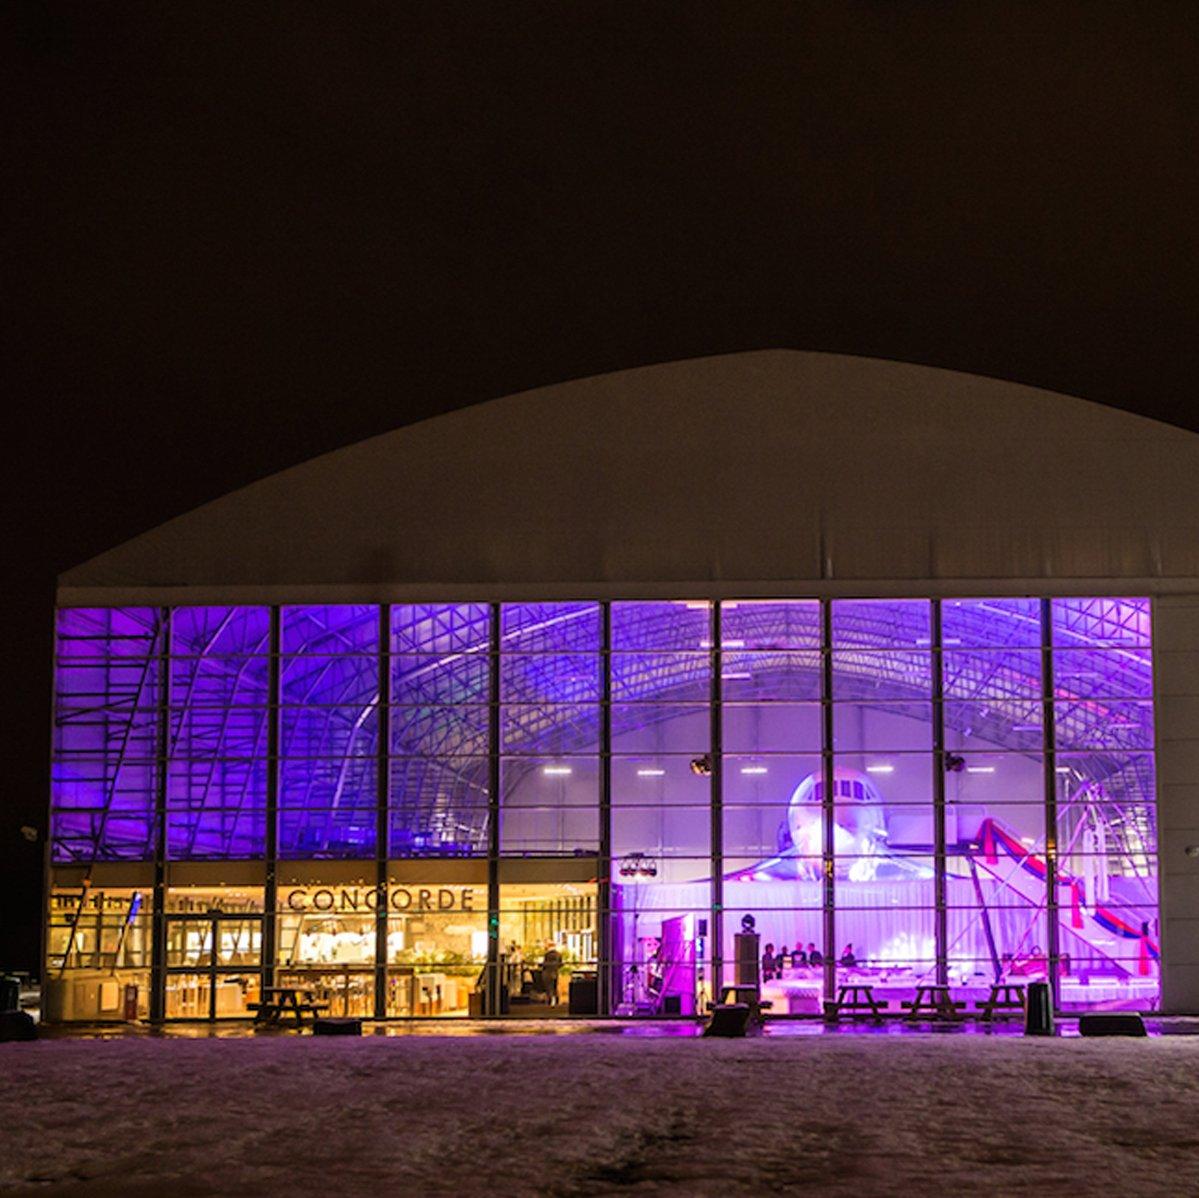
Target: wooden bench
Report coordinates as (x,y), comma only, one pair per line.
(935,1001)
(268,1013)
(1004,996)
(286,1001)
(856,998)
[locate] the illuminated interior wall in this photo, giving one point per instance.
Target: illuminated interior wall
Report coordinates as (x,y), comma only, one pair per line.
(98,942)
(1176,682)
(994,722)
(107,751)
(328,731)
(956,789)
(661,690)
(441,661)
(772,720)
(549,716)
(219,705)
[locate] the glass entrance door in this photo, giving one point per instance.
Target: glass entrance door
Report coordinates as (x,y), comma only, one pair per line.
(213,965)
(549,948)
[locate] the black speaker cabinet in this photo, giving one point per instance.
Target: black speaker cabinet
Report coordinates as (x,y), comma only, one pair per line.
(729,1020)
(337,1027)
(1120,1023)
(747,965)
(17,1025)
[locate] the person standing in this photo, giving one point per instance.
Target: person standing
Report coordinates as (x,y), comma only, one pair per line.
(516,963)
(768,963)
(551,965)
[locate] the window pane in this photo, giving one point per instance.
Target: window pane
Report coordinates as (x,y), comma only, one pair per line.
(549,805)
(861,727)
(661,677)
(439,806)
(108,680)
(762,677)
(682,626)
(653,728)
(772,727)
(1082,623)
(864,675)
(1016,724)
(1009,674)
(881,623)
(771,624)
(991,623)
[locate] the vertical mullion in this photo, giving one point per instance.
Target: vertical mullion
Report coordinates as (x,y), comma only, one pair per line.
(382,806)
(828,810)
(939,847)
(1052,932)
(606,965)
(716,791)
(493,991)
(158,943)
(271,880)
(214,932)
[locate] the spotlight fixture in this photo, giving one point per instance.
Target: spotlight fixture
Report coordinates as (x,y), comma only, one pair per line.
(954,764)
(702,766)
(748,923)
(637,865)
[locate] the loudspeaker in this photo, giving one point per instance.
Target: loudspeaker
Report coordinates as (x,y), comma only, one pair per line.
(337,1027)
(728,1019)
(1121,1024)
(747,963)
(1038,1010)
(702,928)
(582,998)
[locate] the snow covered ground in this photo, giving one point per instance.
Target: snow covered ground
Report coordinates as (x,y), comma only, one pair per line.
(600,1114)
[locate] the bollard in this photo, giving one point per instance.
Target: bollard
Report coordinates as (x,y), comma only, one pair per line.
(1038,1016)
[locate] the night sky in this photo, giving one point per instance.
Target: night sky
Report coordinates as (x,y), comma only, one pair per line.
(241,235)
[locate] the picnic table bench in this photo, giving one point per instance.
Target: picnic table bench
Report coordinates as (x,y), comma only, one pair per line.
(278,1001)
(856,998)
(934,1000)
(1004,996)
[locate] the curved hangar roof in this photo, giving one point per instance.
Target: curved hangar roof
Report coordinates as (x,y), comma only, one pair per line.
(769,472)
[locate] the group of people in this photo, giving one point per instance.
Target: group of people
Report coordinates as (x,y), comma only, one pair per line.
(519,974)
(774,963)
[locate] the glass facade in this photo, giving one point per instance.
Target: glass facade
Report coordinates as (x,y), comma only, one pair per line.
(577,806)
